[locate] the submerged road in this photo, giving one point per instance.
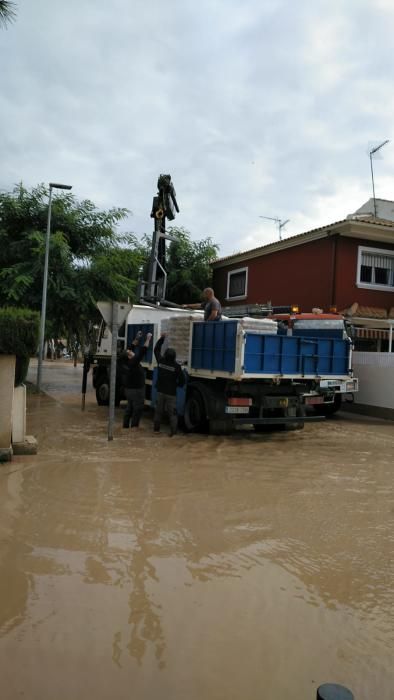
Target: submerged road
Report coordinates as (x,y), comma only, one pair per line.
(251,567)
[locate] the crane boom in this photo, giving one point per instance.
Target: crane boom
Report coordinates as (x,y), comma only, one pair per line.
(164,206)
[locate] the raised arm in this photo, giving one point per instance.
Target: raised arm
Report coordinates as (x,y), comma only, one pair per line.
(137,339)
(143,348)
(148,338)
(158,346)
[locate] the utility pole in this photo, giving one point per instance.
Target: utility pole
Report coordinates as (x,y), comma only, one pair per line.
(114,360)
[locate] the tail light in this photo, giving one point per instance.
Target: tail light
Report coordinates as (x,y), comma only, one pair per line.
(239,401)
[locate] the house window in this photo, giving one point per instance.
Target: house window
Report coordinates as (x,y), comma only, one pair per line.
(375,268)
(237,283)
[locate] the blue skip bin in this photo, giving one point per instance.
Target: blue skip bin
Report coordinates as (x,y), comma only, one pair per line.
(281,354)
(214,346)
(226,348)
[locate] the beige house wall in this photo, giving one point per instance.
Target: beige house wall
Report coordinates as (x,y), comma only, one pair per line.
(19,414)
(7,379)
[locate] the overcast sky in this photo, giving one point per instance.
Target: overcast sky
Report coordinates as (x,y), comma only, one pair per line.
(255,107)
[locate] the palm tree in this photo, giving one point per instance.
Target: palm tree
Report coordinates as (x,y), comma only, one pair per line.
(7,12)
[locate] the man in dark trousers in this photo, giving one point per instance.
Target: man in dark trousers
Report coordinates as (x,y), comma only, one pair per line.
(169,377)
(133,378)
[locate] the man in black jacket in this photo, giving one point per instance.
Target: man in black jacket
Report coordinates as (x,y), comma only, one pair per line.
(133,379)
(169,377)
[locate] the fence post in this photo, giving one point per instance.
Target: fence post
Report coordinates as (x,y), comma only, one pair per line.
(332,691)
(86,366)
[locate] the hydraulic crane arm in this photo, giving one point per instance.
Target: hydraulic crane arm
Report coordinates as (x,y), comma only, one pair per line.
(164,207)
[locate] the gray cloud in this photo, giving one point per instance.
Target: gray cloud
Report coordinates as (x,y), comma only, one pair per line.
(254,107)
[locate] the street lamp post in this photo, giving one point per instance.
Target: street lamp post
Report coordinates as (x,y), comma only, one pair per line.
(52,185)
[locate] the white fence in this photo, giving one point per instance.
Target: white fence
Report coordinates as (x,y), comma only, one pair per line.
(375,371)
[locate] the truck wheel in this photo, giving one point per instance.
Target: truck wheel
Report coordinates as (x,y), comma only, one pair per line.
(102,391)
(220,426)
(294,426)
(263,428)
(194,418)
(329,409)
(299,425)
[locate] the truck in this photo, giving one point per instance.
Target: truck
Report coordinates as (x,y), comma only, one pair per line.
(239,371)
(327,392)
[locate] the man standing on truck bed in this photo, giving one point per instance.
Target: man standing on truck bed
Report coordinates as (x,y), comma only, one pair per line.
(133,379)
(169,377)
(212,306)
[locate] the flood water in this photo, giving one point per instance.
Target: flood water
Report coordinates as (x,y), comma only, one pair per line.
(251,567)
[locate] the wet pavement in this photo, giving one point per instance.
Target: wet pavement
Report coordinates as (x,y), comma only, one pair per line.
(247,567)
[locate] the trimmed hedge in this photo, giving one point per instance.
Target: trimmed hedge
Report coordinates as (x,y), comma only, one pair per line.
(19,329)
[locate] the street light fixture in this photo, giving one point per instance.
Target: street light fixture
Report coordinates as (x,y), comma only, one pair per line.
(52,185)
(371,153)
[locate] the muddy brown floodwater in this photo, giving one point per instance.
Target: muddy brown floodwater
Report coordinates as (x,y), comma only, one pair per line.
(251,567)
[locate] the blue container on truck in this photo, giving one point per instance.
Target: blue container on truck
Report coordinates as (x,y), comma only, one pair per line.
(216,348)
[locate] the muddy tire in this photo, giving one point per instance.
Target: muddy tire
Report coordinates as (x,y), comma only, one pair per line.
(299,425)
(263,428)
(220,426)
(102,391)
(194,418)
(330,408)
(293,426)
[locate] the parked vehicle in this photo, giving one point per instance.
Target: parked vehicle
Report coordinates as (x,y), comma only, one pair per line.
(329,391)
(239,371)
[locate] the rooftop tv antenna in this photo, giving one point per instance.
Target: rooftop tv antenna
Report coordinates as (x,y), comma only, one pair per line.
(281,224)
(373,152)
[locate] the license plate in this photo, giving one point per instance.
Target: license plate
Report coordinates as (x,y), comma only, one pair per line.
(313,400)
(237,409)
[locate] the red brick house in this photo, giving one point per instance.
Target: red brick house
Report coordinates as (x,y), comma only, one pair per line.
(335,265)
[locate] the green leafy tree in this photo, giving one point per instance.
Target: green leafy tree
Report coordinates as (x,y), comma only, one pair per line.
(19,336)
(7,12)
(187,265)
(89,259)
